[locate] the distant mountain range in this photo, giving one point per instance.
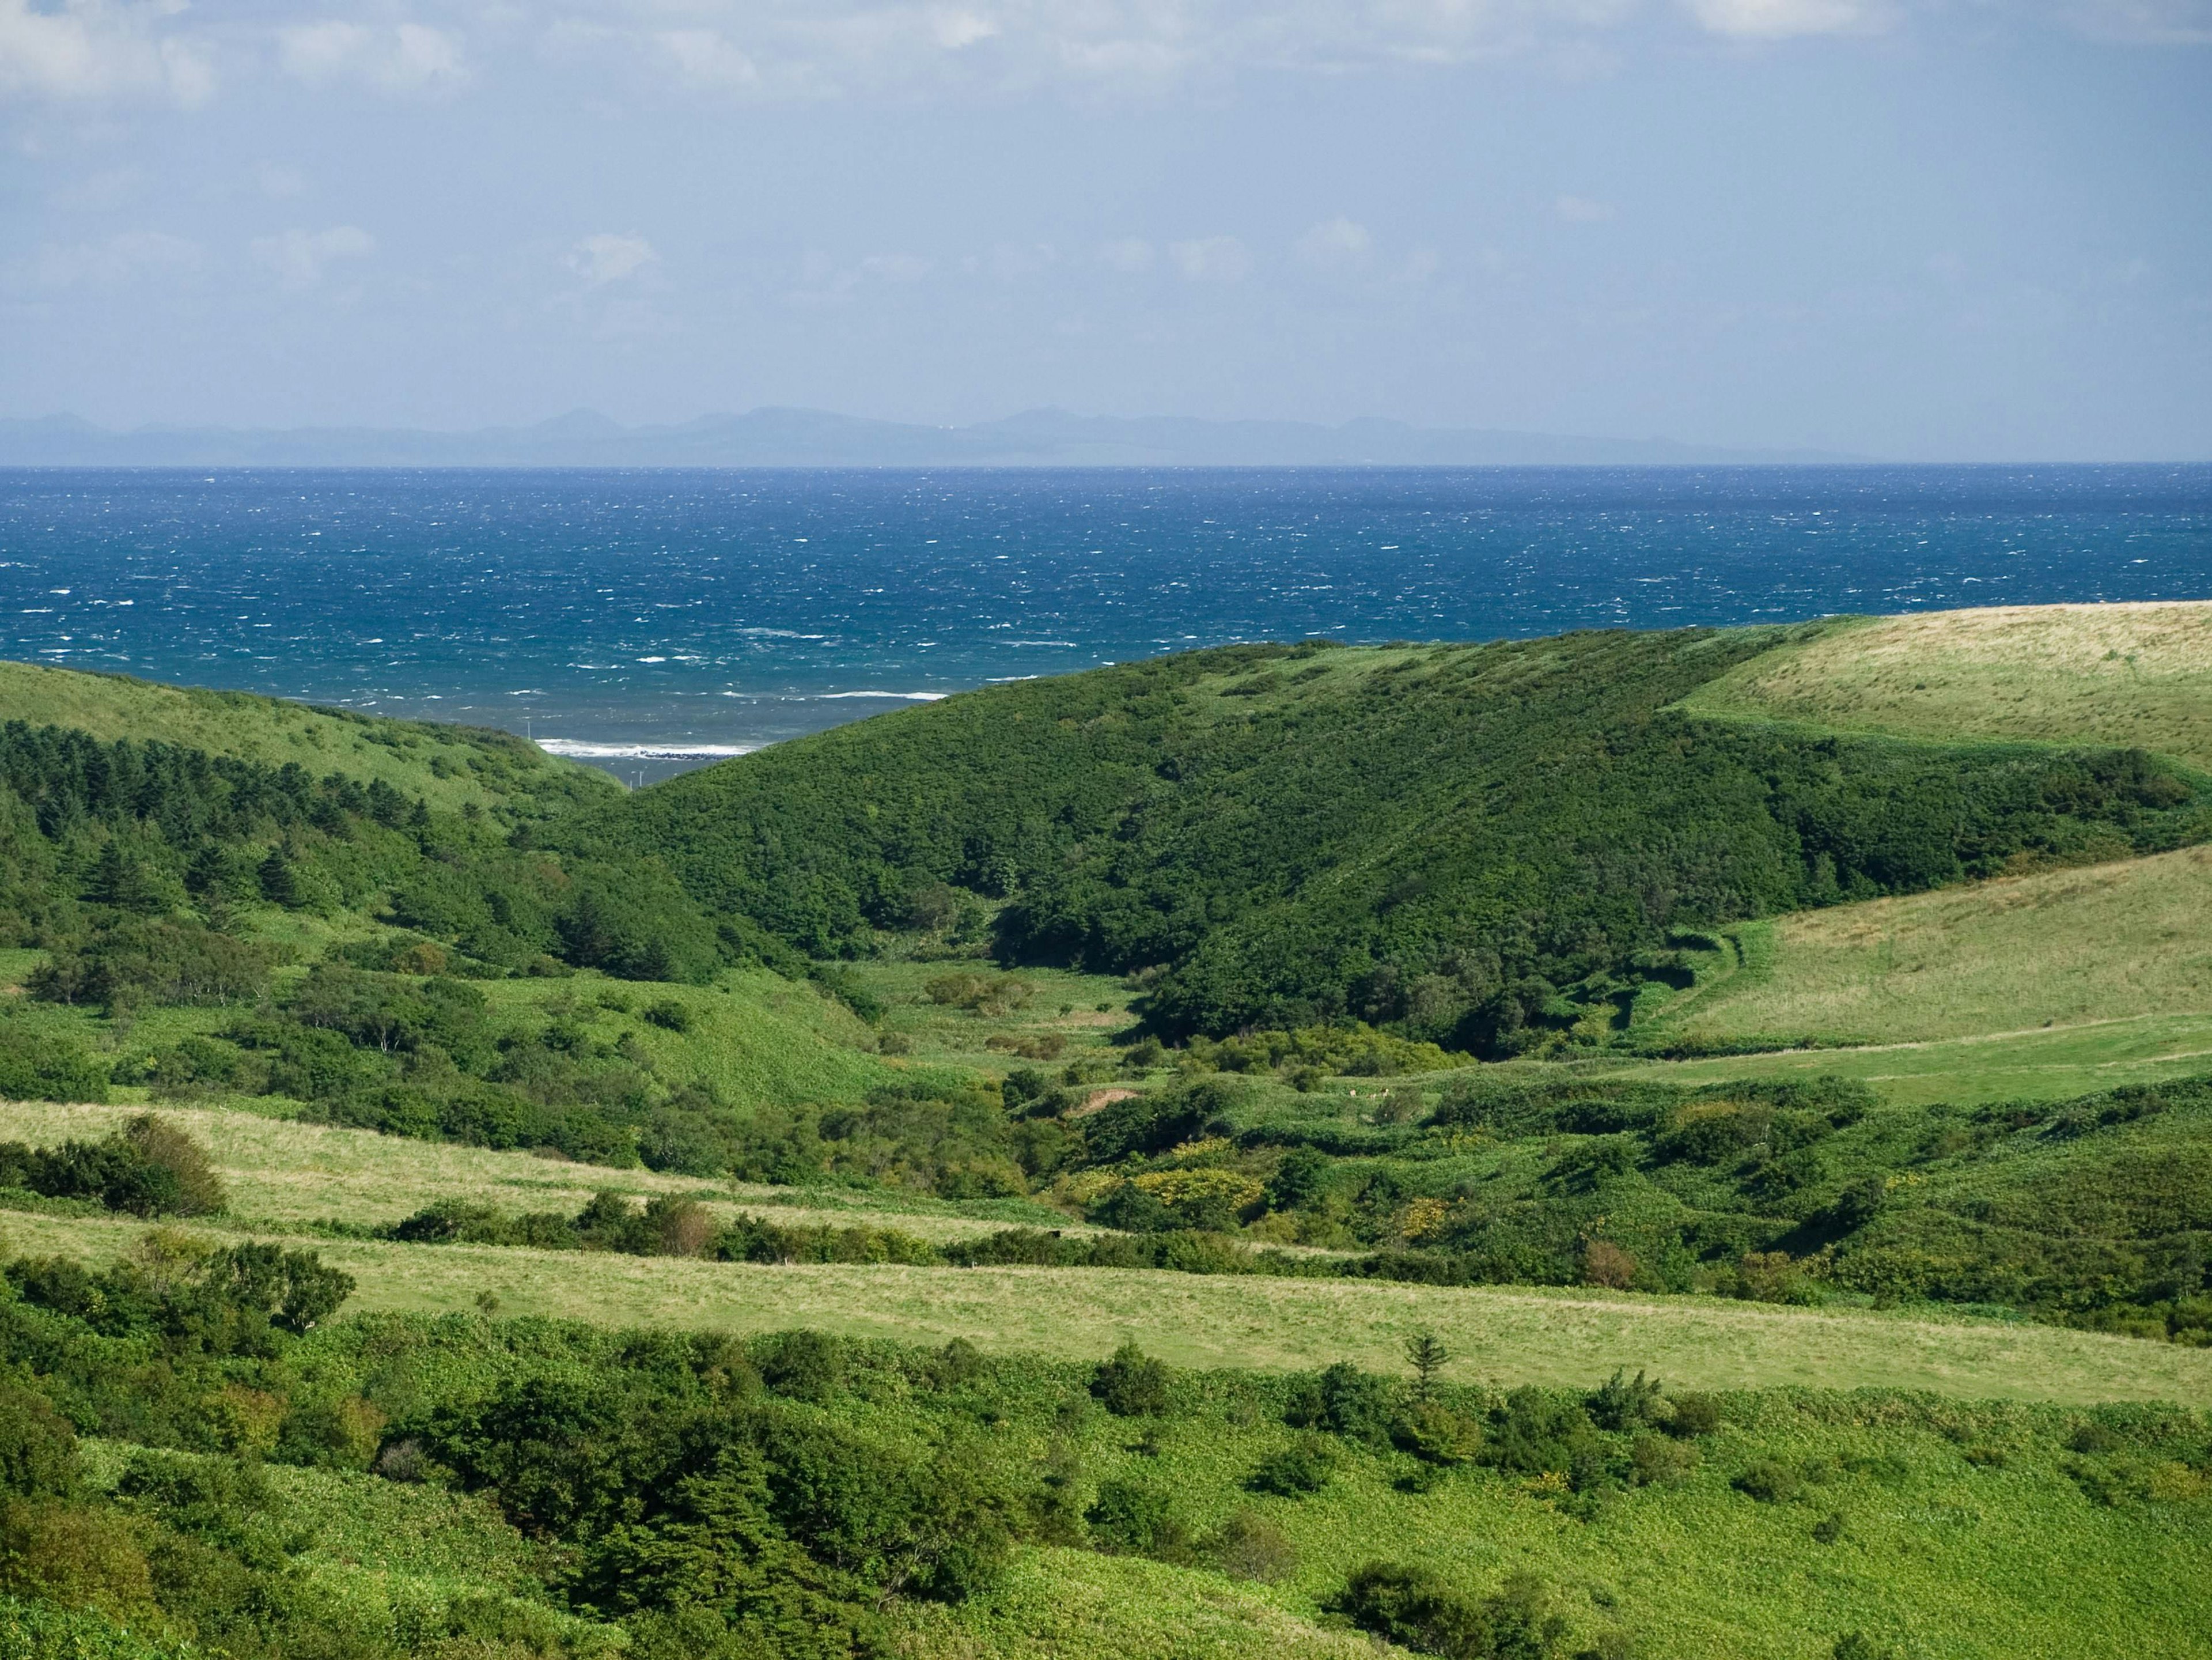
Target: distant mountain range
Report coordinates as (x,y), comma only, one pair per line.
(813,438)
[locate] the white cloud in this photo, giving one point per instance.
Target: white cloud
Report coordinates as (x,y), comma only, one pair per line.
(704,59)
(119,259)
(1211,259)
(298,256)
(407,59)
(278,179)
(2143,22)
(89,49)
(1131,255)
(896,267)
(1581,210)
(1780,20)
(1338,244)
(607,258)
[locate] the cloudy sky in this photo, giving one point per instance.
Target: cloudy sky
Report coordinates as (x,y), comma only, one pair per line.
(1918,228)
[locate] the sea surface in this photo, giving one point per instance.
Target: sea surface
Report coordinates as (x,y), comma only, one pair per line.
(652,620)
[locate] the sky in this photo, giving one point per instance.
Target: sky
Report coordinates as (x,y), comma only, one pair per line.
(1912,230)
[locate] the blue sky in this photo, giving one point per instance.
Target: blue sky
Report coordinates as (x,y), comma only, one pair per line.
(1949,229)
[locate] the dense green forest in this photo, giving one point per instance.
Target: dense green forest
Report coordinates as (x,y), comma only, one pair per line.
(1485,847)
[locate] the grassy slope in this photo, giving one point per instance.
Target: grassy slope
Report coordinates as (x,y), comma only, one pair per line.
(448,766)
(2136,675)
(2033,1065)
(2062,948)
(282,1176)
(1506,1336)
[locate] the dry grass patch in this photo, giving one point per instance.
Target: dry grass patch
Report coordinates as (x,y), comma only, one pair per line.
(2136,675)
(2059,948)
(281,1175)
(1504,1336)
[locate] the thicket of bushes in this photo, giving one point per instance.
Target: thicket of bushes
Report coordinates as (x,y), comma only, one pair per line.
(149,1168)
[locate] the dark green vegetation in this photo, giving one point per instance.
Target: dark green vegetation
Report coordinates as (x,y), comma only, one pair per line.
(803,1496)
(1489,847)
(147,1169)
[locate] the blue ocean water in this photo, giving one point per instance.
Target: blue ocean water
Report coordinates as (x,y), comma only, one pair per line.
(704,611)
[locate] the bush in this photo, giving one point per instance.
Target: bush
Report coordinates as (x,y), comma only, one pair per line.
(669,1014)
(1250,1547)
(806,1366)
(1694,1414)
(1306,1466)
(1412,1607)
(38,1447)
(1129,1519)
(1130,1383)
(79,1557)
(1657,1462)
(149,1168)
(47,1066)
(1768,1481)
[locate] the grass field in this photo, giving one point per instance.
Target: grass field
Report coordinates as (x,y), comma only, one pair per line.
(1504,1336)
(1946,1558)
(448,766)
(2138,674)
(2096,942)
(2035,1065)
(284,1176)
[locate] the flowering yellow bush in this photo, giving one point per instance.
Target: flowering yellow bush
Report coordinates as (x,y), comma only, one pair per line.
(1176,1186)
(1423,1218)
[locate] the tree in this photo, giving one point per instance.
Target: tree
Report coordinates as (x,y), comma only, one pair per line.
(1426,1354)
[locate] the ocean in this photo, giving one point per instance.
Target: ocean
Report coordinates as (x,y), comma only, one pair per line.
(652,620)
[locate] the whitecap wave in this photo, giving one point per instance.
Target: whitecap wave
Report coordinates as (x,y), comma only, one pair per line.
(576,750)
(910,697)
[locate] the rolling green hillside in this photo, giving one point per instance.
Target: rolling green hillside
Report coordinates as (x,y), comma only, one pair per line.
(660,1227)
(1484,846)
(447,766)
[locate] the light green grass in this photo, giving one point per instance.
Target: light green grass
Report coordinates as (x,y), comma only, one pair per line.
(2036,1065)
(283,1175)
(448,766)
(2136,675)
(1508,1336)
(1944,1558)
(2065,948)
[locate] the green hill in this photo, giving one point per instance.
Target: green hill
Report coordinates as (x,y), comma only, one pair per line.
(581,1226)
(1488,846)
(447,766)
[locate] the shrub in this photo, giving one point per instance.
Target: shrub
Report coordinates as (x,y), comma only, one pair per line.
(1434,1434)
(1606,1264)
(1130,1519)
(38,1447)
(1829,1529)
(1307,1465)
(669,1014)
(46,1066)
(1694,1414)
(1657,1462)
(1619,1406)
(161,1144)
(1250,1547)
(806,1366)
(76,1557)
(1768,1481)
(1130,1383)
(1346,1402)
(1413,1607)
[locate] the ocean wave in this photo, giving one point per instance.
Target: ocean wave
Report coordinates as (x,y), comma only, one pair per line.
(910,697)
(576,750)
